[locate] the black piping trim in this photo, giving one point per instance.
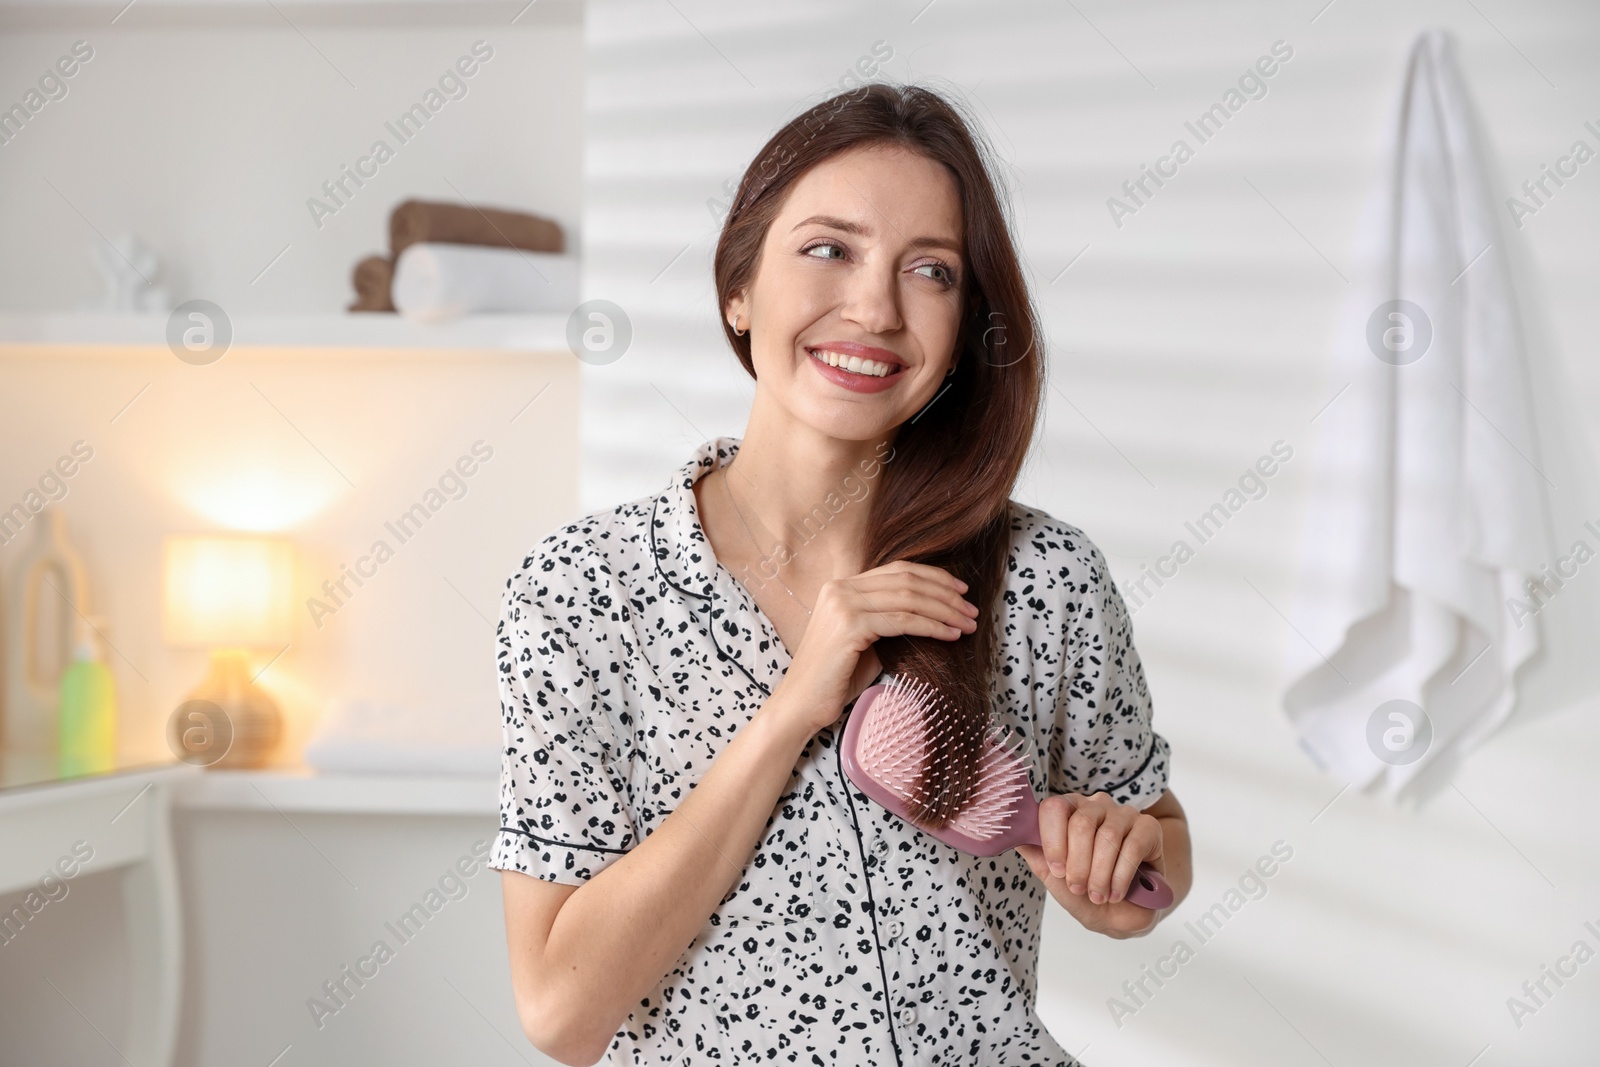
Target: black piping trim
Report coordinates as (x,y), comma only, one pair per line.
(861,850)
(711,624)
(1148,757)
(560,844)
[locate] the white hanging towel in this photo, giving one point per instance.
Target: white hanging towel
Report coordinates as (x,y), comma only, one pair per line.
(1429,510)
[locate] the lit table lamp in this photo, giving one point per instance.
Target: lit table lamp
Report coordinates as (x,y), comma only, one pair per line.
(229,594)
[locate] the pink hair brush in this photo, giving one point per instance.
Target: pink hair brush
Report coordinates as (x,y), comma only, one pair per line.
(888,731)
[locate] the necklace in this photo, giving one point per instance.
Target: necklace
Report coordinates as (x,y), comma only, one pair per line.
(727,486)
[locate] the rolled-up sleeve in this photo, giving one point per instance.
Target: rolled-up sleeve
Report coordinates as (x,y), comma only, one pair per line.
(1104,740)
(564,810)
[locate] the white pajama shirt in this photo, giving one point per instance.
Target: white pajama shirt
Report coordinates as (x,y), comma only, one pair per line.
(628,657)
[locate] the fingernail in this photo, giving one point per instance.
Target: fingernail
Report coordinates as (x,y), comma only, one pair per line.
(1057,870)
(1096,897)
(962,586)
(968,606)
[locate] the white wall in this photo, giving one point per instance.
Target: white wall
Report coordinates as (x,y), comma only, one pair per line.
(1182,345)
(205,132)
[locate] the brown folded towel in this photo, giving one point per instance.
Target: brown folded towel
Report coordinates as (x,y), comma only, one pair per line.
(372,278)
(420,220)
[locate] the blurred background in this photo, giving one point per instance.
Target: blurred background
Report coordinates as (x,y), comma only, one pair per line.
(282,410)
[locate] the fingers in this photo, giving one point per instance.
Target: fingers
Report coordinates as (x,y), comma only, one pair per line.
(928,580)
(1054,814)
(1081,831)
(902,603)
(903,586)
(915,624)
(932,573)
(1142,843)
(901,598)
(1108,840)
(908,607)
(1090,851)
(932,580)
(1094,845)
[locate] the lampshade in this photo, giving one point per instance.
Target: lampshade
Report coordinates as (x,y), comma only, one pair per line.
(227,591)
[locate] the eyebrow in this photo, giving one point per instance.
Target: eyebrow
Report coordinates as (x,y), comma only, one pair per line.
(834,222)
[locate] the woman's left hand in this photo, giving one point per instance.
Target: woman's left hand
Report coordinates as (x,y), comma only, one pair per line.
(1091,848)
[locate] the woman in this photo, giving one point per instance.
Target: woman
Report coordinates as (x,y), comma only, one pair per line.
(689,877)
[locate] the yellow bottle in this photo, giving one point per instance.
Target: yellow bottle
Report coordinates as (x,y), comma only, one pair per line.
(87,736)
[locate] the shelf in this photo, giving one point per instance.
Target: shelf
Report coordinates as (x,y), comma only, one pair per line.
(27,779)
(308,791)
(270,789)
(379,330)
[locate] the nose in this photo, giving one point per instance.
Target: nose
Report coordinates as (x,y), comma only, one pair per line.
(872,298)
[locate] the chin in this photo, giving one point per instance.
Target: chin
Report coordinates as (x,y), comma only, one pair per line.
(868,418)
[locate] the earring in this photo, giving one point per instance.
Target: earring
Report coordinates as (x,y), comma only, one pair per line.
(951,372)
(736,331)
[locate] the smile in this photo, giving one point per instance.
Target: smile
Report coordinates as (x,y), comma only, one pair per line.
(870,368)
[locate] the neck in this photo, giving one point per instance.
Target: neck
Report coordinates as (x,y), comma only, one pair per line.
(810,491)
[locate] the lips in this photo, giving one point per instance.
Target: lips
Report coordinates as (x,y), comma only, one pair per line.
(857,367)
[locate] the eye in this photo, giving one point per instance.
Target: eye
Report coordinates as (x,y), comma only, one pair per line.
(808,249)
(944,274)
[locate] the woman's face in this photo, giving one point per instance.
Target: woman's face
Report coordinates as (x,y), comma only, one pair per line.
(857,298)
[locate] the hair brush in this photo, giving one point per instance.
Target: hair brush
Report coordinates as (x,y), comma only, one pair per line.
(885,738)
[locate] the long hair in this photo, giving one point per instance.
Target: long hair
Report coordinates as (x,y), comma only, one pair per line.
(943,500)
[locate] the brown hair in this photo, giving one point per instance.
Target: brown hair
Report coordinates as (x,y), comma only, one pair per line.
(944,497)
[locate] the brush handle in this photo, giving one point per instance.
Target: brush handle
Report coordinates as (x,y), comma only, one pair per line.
(1148,889)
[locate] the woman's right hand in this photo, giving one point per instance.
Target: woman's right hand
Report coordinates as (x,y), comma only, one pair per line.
(835,661)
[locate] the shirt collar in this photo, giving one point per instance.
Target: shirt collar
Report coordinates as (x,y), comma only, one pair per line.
(683,555)
(686,563)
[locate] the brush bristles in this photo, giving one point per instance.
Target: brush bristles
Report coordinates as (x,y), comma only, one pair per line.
(908,722)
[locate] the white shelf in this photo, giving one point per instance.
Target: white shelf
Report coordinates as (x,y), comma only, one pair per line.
(30,780)
(387,330)
(308,791)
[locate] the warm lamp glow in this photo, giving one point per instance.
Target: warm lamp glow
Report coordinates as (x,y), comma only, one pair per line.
(235,592)
(256,497)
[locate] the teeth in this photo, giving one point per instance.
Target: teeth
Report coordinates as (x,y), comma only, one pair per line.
(854,364)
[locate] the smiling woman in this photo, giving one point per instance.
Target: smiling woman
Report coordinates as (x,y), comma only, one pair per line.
(688,873)
(896,233)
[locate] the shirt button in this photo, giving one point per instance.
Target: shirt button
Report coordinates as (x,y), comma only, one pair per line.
(881,847)
(895,929)
(908,1016)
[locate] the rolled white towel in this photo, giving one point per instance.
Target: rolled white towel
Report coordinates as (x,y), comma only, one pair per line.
(434,281)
